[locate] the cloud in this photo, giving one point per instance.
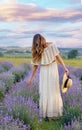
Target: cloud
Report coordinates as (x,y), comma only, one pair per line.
(32,12)
(10,1)
(74,1)
(74,32)
(68,42)
(5,30)
(65,37)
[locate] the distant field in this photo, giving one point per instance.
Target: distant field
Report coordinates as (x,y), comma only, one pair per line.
(73,62)
(17,61)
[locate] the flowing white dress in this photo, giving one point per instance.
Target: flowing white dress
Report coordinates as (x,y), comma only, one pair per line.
(50,100)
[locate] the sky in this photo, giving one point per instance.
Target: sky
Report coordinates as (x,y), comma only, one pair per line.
(59,22)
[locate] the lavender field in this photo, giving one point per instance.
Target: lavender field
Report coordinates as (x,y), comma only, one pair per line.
(19,103)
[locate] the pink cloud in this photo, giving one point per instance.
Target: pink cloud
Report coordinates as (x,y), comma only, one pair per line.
(69,42)
(68,36)
(10,1)
(61,38)
(31,12)
(75,31)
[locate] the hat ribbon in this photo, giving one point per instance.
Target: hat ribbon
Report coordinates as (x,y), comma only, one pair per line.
(66,81)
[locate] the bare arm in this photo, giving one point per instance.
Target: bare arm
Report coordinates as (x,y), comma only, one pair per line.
(60,60)
(32,74)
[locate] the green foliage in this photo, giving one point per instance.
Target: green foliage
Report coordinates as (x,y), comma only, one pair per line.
(26,92)
(21,113)
(25,114)
(18,76)
(50,125)
(1,54)
(70,114)
(6,67)
(26,67)
(72,54)
(19,72)
(27,51)
(7,79)
(1,93)
(81,77)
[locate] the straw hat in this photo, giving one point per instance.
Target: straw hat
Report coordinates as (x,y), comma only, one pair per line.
(66,83)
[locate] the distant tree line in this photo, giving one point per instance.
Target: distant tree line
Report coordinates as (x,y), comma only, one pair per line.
(1,54)
(72,53)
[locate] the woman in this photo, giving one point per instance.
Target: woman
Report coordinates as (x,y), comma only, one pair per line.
(45,54)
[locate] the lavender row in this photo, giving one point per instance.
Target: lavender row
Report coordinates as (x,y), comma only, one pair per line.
(72,100)
(22,102)
(5,66)
(10,77)
(7,122)
(72,103)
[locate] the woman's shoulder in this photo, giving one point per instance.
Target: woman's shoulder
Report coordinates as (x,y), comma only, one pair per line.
(48,45)
(51,47)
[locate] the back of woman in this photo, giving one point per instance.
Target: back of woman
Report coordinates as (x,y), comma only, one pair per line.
(45,54)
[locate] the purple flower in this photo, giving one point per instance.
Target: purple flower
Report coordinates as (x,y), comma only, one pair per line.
(6,65)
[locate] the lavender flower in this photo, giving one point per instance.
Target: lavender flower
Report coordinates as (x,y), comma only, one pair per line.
(21,103)
(75,125)
(22,108)
(2,89)
(8,122)
(20,71)
(8,79)
(6,65)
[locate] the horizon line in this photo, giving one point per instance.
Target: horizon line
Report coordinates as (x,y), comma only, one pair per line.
(31,46)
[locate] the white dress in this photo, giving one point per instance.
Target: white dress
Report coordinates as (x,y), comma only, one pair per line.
(50,100)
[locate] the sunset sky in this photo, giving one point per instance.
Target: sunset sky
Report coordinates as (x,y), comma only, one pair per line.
(59,21)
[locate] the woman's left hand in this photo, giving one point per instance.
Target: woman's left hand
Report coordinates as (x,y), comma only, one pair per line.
(67,72)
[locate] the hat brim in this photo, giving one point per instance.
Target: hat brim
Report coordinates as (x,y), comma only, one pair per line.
(66,83)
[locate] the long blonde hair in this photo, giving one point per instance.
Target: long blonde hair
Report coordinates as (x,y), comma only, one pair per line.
(38,45)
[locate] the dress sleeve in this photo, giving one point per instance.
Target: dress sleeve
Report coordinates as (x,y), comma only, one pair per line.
(49,54)
(55,50)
